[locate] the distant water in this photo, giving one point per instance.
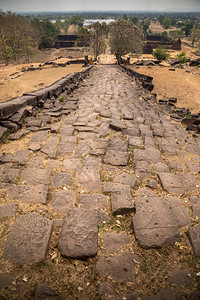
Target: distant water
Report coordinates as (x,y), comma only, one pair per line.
(91,21)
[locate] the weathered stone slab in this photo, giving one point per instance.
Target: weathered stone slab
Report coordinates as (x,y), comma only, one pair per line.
(94,201)
(145,130)
(194,235)
(28,193)
(61,179)
(126,178)
(158,130)
(67,130)
(161,167)
(71,164)
(171,183)
(33,123)
(104,130)
(113,241)
(116,157)
(151,155)
(153,223)
(179,211)
(168,147)
(111,187)
(189,182)
(117,125)
(105,290)
(121,202)
(165,293)
(34,146)
(142,169)
(39,137)
(28,240)
(9,175)
(195,206)
(120,268)
(46,292)
(135,141)
(79,239)
(20,157)
(175,166)
(8,210)
(36,162)
(88,178)
(63,200)
(50,147)
(35,176)
(181,277)
(18,135)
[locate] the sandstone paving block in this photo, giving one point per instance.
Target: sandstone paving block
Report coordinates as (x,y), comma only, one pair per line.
(153,223)
(66,148)
(9,175)
(195,202)
(79,234)
(20,157)
(175,166)
(66,130)
(158,130)
(113,241)
(94,201)
(111,187)
(142,169)
(71,164)
(28,240)
(194,235)
(28,193)
(19,134)
(188,181)
(145,130)
(179,211)
(39,137)
(116,157)
(36,162)
(122,202)
(82,150)
(181,277)
(105,290)
(126,178)
(88,178)
(151,155)
(171,183)
(161,167)
(46,292)
(120,267)
(135,141)
(117,125)
(50,147)
(61,179)
(63,200)
(8,210)
(34,146)
(35,176)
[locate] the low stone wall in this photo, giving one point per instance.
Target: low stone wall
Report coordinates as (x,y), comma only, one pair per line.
(13,110)
(145,80)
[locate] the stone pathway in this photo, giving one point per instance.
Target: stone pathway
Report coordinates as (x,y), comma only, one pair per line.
(104,203)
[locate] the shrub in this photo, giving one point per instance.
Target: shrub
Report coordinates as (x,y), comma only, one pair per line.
(182,56)
(160,53)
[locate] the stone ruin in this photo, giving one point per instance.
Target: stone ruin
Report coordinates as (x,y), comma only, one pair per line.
(153,41)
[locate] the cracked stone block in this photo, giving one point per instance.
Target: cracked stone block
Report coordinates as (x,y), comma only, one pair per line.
(20,157)
(120,267)
(121,202)
(181,277)
(88,178)
(46,292)
(61,179)
(135,141)
(50,147)
(153,223)
(113,241)
(28,240)
(71,164)
(116,157)
(9,175)
(142,169)
(94,201)
(28,193)
(35,176)
(194,235)
(79,234)
(171,183)
(126,178)
(62,200)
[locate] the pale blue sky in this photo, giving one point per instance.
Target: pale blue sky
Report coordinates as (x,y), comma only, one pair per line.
(102,5)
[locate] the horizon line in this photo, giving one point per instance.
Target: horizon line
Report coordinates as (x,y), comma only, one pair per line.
(108,11)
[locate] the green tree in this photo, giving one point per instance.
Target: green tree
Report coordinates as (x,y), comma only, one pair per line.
(160,53)
(195,35)
(166,23)
(83,36)
(97,38)
(182,56)
(186,28)
(125,37)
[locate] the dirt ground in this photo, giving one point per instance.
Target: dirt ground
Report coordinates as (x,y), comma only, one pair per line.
(14,82)
(179,83)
